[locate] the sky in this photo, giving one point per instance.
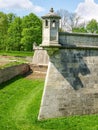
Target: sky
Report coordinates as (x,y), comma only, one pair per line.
(87,9)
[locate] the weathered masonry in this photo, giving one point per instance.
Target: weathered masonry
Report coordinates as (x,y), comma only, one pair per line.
(71,85)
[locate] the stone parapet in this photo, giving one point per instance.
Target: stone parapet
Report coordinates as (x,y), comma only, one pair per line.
(78,40)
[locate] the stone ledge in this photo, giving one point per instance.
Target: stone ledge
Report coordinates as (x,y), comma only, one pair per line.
(69,46)
(78,34)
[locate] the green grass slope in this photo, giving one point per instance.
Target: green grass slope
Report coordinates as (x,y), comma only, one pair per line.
(19,106)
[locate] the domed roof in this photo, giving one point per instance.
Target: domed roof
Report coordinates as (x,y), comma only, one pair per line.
(51,14)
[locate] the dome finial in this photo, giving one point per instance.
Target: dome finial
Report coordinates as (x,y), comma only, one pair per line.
(51,10)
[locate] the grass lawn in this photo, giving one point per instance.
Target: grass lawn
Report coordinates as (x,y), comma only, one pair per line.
(16,53)
(19,106)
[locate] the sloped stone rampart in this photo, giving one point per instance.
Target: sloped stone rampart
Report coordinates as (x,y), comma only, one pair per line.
(71,85)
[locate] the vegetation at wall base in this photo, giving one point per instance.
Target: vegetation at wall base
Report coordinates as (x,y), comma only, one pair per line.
(19,106)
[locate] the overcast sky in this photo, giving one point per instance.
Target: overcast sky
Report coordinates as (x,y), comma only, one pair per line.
(88,9)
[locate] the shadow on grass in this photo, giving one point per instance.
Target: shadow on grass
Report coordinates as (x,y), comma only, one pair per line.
(3,85)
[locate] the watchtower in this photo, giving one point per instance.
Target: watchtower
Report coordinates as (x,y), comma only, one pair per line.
(50,29)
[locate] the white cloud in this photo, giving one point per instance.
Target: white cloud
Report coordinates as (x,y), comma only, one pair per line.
(20,4)
(88,10)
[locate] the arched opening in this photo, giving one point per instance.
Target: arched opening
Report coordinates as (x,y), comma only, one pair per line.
(54,24)
(46,23)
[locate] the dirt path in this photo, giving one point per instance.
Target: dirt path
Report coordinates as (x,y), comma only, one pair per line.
(5,60)
(37,72)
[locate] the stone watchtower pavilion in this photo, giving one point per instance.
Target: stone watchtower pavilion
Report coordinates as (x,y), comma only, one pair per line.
(71,85)
(50,38)
(50,29)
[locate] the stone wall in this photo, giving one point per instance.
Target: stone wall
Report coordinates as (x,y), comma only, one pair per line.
(10,72)
(71,85)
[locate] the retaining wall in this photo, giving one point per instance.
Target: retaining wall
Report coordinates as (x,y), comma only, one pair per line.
(10,72)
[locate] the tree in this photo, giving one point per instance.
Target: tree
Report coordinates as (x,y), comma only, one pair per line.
(32,31)
(10,18)
(27,39)
(14,35)
(74,21)
(3,30)
(68,20)
(92,26)
(64,18)
(80,29)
